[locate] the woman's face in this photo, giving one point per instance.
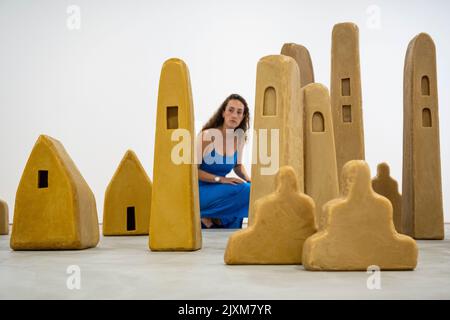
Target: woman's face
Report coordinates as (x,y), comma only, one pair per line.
(233,114)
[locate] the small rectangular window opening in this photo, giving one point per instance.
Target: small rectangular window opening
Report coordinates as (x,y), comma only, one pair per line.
(347,113)
(172,117)
(131,219)
(42,179)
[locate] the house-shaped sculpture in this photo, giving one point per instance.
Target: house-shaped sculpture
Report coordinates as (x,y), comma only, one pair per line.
(128,199)
(54,208)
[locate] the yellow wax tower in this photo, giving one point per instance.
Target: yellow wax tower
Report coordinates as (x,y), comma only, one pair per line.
(346,101)
(4,218)
(128,199)
(321,180)
(175,213)
(423,214)
(303,58)
(278,110)
(55,208)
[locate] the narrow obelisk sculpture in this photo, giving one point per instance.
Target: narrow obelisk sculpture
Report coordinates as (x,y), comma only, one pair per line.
(423,216)
(346,100)
(278,125)
(175,211)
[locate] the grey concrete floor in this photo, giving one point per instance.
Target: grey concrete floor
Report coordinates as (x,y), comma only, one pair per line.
(123,268)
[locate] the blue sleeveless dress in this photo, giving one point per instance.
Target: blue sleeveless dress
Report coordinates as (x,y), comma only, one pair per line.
(227,202)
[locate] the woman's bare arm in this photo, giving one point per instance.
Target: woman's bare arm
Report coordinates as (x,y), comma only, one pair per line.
(239,169)
(205,176)
(201,146)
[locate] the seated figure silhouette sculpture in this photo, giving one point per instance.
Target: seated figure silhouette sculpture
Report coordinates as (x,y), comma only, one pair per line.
(359,231)
(283,221)
(386,186)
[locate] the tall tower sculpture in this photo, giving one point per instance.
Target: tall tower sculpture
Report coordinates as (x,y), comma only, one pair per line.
(279,111)
(321,180)
(423,216)
(320,169)
(303,58)
(175,210)
(346,101)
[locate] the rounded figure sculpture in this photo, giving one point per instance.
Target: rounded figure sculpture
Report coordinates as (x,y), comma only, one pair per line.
(359,231)
(284,219)
(386,186)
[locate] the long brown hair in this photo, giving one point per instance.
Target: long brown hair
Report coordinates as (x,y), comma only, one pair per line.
(217,119)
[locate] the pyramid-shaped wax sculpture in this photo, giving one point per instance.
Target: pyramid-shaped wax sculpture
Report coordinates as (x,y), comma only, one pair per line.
(359,230)
(55,208)
(128,199)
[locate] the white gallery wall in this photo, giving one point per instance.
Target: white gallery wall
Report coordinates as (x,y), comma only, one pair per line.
(86,71)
